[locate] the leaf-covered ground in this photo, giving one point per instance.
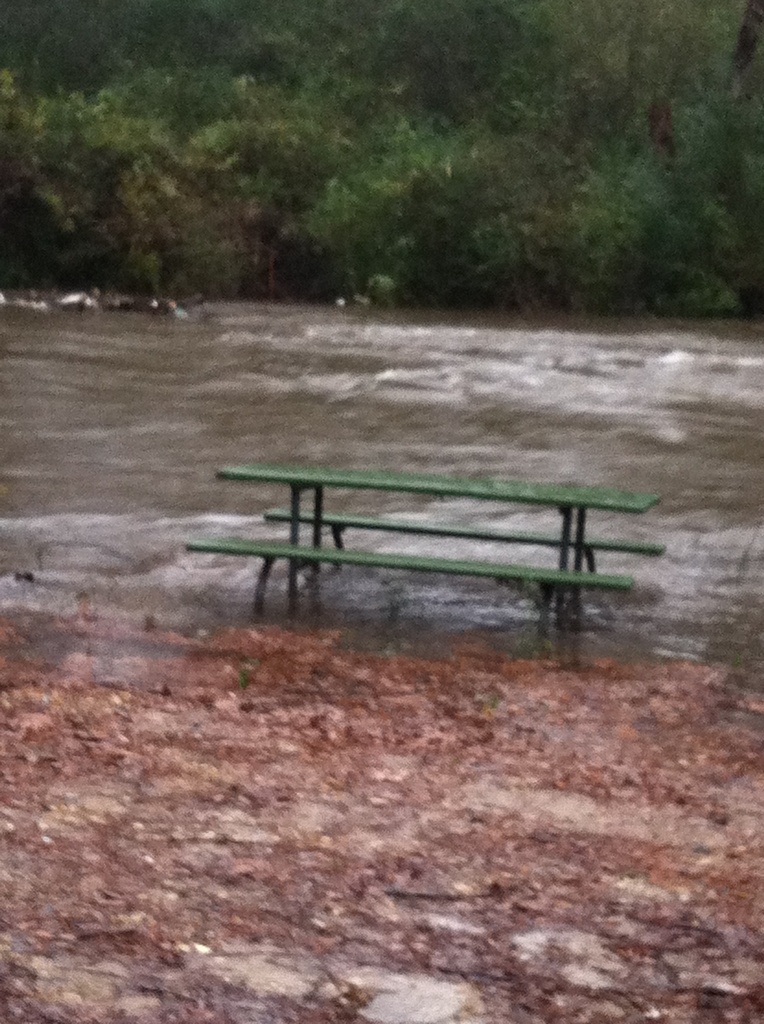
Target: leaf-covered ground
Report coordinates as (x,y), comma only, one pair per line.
(262,826)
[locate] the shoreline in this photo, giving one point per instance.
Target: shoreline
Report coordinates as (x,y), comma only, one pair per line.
(268,826)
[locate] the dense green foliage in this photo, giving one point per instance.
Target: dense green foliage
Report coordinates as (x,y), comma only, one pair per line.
(436,152)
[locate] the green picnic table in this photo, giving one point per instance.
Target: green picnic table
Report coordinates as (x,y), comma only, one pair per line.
(573,503)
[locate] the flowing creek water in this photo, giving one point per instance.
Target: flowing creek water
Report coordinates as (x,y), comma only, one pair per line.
(113,426)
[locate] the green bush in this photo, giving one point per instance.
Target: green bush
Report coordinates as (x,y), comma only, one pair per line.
(490,153)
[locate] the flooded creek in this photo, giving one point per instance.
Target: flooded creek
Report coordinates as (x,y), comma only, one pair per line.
(113,426)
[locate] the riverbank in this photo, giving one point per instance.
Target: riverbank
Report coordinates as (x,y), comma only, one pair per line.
(263,826)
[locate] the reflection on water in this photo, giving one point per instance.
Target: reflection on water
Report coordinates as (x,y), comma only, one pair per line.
(113,425)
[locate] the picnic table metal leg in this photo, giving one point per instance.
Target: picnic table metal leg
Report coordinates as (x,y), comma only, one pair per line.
(294,522)
(579,542)
(318,523)
(567,521)
(337,532)
(318,516)
(262,582)
(579,553)
(294,538)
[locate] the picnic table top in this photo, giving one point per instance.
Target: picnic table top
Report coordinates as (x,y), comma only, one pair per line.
(561,495)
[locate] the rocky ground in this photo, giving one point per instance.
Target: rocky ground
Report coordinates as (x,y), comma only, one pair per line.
(263,827)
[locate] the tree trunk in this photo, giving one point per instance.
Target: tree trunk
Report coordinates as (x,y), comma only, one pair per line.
(747,40)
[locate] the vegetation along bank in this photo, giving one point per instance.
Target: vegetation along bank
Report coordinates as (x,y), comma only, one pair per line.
(475,153)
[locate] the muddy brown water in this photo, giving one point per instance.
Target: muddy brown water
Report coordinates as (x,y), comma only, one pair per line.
(113,426)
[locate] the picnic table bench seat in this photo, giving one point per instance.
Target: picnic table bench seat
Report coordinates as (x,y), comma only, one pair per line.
(549,580)
(339,522)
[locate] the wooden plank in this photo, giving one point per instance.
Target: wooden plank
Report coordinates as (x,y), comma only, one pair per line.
(279,515)
(418,563)
(446,486)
